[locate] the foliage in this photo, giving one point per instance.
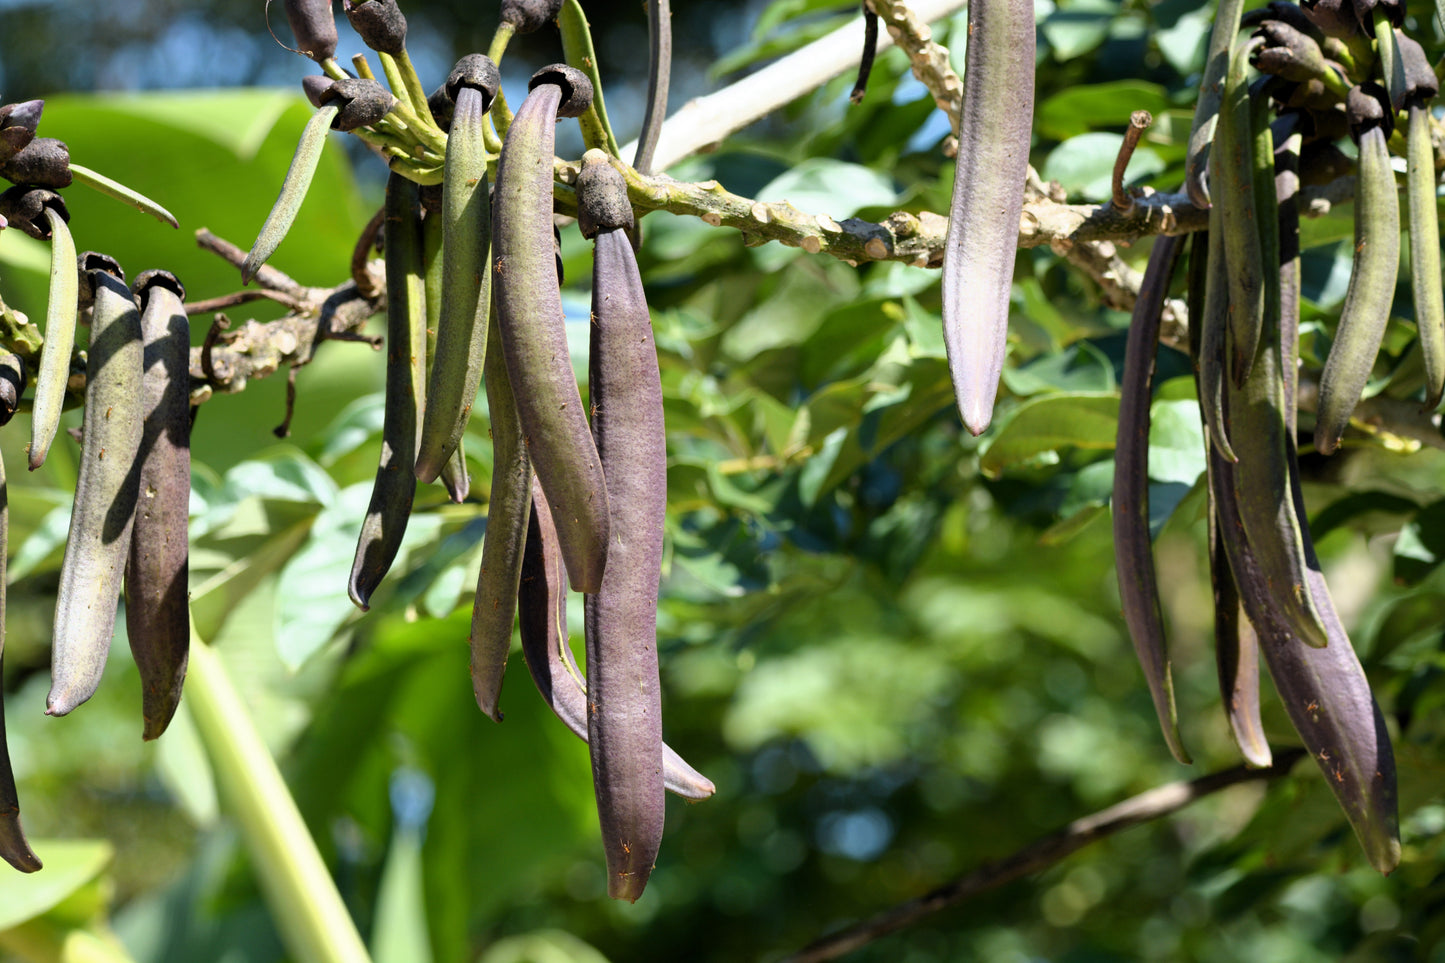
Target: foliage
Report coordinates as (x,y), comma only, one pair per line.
(896,649)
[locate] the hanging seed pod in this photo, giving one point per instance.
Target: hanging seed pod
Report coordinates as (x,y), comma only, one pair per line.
(530,322)
(659,75)
(624,711)
(293,190)
(1366,311)
(380,24)
(157,606)
(529,16)
(105,491)
(454,476)
(1231,172)
(542,611)
(395,485)
(55,354)
(13,847)
(993,156)
(1236,655)
(466,294)
(314,27)
(1133,552)
(1424,219)
(1211,92)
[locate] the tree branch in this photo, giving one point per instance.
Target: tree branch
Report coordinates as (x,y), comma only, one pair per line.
(1042,853)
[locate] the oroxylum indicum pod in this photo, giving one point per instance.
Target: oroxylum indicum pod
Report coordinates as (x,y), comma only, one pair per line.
(395,485)
(105,491)
(1424,224)
(157,606)
(13,847)
(314,27)
(51,380)
(542,617)
(530,321)
(1133,555)
(1211,92)
(1366,311)
(659,73)
(988,195)
(624,699)
(466,293)
(1231,172)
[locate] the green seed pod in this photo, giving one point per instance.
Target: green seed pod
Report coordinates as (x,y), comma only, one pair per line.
(314,27)
(395,486)
(1231,173)
(1211,92)
(529,16)
(1133,552)
(542,611)
(293,190)
(988,185)
(380,24)
(1366,311)
(55,354)
(13,847)
(157,605)
(105,493)
(530,322)
(1424,220)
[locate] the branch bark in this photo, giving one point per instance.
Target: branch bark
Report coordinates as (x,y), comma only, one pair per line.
(1042,853)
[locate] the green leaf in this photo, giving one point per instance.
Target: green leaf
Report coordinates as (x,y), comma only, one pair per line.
(1079,367)
(1085,107)
(1421,545)
(543,946)
(69,865)
(1078,27)
(823,185)
(1176,442)
(1047,425)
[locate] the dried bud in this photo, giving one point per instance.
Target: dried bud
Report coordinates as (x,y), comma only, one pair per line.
(1368,107)
(576,88)
(314,27)
(1285,12)
(476,71)
(527,16)
(1288,52)
(1421,86)
(17,126)
(24,207)
(156,277)
(1335,17)
(363,102)
(602,203)
(45,162)
(12,385)
(380,24)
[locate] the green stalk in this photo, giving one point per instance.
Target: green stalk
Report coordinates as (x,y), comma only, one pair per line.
(577,50)
(314,923)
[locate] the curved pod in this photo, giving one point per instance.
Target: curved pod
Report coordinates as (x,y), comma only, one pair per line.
(13,847)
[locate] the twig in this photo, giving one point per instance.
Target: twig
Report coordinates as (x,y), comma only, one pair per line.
(1139,122)
(870,50)
(208,365)
(366,280)
(1147,806)
(283,430)
(268,277)
(908,28)
(237,298)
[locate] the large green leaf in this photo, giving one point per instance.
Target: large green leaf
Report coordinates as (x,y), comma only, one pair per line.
(1043,427)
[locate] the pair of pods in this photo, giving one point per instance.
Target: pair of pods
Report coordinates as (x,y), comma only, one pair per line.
(131,497)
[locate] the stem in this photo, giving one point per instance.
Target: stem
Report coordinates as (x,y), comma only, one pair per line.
(577,51)
(500,39)
(313,921)
(1042,853)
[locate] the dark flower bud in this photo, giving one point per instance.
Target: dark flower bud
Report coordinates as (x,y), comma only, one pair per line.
(12,385)
(24,207)
(96,261)
(1288,52)
(17,126)
(441,107)
(576,88)
(45,162)
(317,88)
(314,27)
(1368,107)
(477,71)
(1312,94)
(361,101)
(527,16)
(155,277)
(1421,86)
(1335,17)
(1285,12)
(380,24)
(602,203)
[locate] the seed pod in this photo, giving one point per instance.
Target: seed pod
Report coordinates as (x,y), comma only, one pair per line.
(659,74)
(454,477)
(988,183)
(45,162)
(534,339)
(529,16)
(507,512)
(542,610)
(1366,311)
(1236,655)
(380,24)
(1133,555)
(12,384)
(1211,93)
(157,606)
(1424,220)
(624,711)
(314,27)
(466,295)
(105,493)
(13,847)
(576,89)
(1213,334)
(1231,171)
(60,316)
(293,190)
(395,486)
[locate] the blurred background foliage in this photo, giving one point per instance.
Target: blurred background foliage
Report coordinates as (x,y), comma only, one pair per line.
(896,649)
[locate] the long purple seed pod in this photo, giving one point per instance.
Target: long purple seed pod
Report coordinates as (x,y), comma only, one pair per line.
(624,698)
(1211,93)
(988,196)
(105,492)
(1424,223)
(157,606)
(13,847)
(542,616)
(1133,553)
(534,338)
(395,485)
(1236,655)
(494,607)
(314,26)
